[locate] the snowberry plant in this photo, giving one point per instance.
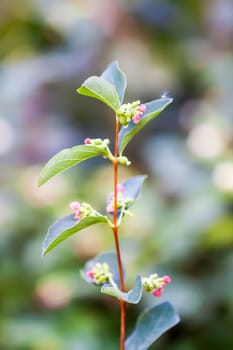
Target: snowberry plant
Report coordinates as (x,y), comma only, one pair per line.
(106,271)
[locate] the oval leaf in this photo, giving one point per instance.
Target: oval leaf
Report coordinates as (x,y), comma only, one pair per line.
(102,90)
(151,325)
(132,297)
(110,258)
(153,109)
(114,75)
(66,227)
(133,187)
(66,159)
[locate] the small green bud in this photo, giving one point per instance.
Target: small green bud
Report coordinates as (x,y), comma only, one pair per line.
(97,142)
(146,285)
(123,120)
(128,212)
(123,161)
(136,103)
(106,142)
(128,201)
(86,209)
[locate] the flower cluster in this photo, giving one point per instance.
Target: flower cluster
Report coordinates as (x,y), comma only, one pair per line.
(110,199)
(81,210)
(131,111)
(99,273)
(102,145)
(155,284)
(97,142)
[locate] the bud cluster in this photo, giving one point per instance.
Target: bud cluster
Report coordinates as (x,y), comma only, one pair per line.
(100,273)
(110,200)
(155,284)
(123,160)
(97,142)
(81,210)
(131,111)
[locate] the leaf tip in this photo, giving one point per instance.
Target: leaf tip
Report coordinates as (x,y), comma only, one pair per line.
(167,101)
(45,249)
(40,181)
(170,307)
(44,252)
(170,100)
(116,63)
(42,177)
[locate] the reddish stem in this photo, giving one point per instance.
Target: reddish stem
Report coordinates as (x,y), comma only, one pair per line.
(117,246)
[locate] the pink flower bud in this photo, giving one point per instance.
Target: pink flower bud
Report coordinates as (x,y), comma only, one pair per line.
(75,206)
(110,208)
(142,108)
(87,141)
(120,188)
(167,279)
(157,293)
(90,274)
(136,119)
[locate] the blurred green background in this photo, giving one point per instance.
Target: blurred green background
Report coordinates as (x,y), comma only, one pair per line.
(183,223)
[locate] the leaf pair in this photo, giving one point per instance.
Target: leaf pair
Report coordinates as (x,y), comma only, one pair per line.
(110,89)
(132,297)
(152,323)
(68,225)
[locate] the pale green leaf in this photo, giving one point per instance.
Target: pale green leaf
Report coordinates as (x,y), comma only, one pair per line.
(102,90)
(114,75)
(154,108)
(66,159)
(66,227)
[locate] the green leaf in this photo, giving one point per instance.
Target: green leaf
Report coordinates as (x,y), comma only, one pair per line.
(108,257)
(132,297)
(102,90)
(132,188)
(66,227)
(151,325)
(114,75)
(153,109)
(66,159)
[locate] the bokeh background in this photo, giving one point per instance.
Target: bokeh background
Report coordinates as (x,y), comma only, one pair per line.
(183,223)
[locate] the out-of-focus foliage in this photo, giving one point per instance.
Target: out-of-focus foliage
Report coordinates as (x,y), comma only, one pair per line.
(183,223)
